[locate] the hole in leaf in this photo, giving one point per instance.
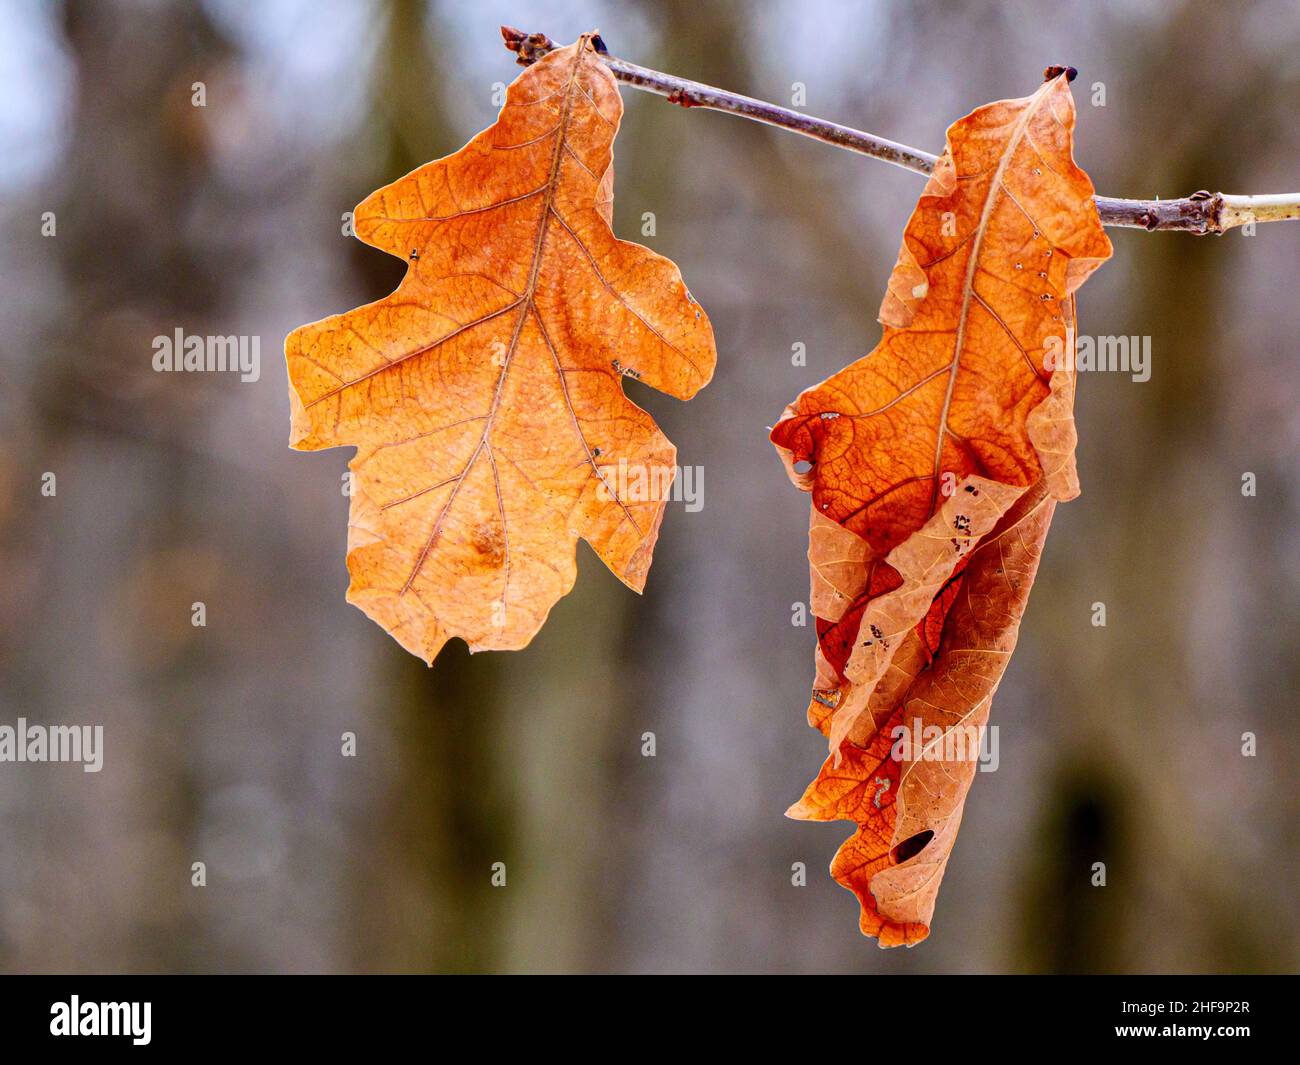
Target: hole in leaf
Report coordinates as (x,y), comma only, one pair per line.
(912,846)
(802,466)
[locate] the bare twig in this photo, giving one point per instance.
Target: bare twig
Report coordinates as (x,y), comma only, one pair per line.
(1200,213)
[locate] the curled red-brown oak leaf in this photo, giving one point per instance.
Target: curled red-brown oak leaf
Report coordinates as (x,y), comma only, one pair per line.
(919,452)
(484,394)
(907,798)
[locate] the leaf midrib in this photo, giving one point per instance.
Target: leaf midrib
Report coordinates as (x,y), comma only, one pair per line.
(524,303)
(968,287)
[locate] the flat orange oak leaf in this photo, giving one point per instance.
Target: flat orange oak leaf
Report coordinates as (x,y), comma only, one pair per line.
(484,394)
(951,440)
(903,773)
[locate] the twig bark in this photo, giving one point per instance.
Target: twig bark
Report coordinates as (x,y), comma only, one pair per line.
(1200,213)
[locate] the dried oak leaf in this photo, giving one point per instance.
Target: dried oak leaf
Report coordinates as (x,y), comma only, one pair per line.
(484,394)
(919,455)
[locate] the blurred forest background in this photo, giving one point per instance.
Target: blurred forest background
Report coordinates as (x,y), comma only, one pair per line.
(1119,744)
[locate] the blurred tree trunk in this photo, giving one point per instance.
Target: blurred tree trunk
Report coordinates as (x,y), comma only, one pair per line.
(105,634)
